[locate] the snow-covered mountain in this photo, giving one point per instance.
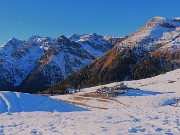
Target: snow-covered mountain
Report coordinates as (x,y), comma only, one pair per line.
(159,34)
(43,61)
(152,50)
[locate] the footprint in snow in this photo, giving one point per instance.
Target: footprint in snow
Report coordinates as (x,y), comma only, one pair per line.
(158,129)
(35,132)
(104,129)
(137,129)
(134,119)
(109,117)
(1,130)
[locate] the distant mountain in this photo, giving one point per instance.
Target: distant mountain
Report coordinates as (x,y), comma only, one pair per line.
(40,62)
(152,50)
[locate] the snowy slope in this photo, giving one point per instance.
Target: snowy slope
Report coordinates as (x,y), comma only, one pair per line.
(143,111)
(12,102)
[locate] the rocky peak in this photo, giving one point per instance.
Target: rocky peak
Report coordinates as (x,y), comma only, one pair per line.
(163,22)
(63,40)
(34,38)
(11,45)
(13,41)
(74,37)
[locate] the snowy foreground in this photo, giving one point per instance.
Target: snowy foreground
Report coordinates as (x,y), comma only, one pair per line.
(144,111)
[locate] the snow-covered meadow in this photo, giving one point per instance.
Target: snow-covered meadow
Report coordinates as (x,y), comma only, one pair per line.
(144,111)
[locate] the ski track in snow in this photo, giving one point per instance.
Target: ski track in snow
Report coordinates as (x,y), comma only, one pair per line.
(6,102)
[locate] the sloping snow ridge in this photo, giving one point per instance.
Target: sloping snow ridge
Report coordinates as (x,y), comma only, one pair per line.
(11,102)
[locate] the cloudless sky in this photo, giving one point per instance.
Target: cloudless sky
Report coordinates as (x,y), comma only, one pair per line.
(24,18)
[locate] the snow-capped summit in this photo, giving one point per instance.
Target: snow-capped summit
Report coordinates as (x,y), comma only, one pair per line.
(163,22)
(12,42)
(13,39)
(74,37)
(34,38)
(9,47)
(155,21)
(159,18)
(177,18)
(154,32)
(84,37)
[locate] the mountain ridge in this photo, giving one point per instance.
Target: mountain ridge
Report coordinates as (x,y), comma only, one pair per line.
(52,59)
(151,50)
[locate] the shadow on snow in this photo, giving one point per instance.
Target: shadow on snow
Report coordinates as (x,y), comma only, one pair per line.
(133,92)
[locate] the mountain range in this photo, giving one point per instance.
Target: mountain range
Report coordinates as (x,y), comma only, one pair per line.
(77,61)
(40,62)
(152,50)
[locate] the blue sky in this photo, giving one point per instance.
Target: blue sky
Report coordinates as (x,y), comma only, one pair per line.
(24,18)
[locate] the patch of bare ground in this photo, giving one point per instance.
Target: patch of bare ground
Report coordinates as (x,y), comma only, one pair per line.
(82,104)
(81,98)
(88,98)
(94,95)
(102,100)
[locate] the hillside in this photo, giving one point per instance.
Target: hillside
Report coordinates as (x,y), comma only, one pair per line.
(143,111)
(152,50)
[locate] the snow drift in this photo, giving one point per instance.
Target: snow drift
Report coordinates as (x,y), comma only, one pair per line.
(11,102)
